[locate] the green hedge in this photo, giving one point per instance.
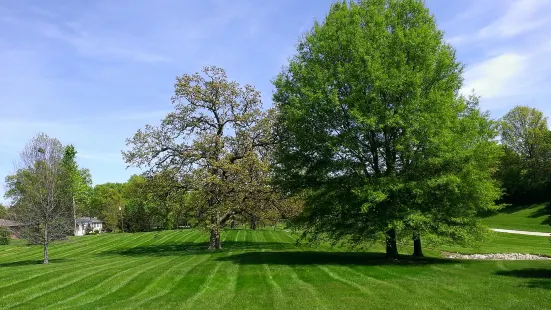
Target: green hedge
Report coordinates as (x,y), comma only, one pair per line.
(4,236)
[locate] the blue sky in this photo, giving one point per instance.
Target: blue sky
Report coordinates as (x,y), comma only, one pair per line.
(92,72)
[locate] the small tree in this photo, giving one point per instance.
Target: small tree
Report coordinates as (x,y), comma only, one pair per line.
(39,194)
(526,165)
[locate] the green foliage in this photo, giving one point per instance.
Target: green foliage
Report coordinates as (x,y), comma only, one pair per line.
(39,192)
(4,236)
(214,145)
(525,169)
(3,212)
(373,132)
(105,203)
(88,229)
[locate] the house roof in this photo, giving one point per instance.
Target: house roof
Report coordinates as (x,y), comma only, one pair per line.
(88,220)
(9,223)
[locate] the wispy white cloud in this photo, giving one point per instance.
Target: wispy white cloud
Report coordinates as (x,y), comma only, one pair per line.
(86,43)
(521,17)
(518,18)
(92,72)
(508,63)
(497,76)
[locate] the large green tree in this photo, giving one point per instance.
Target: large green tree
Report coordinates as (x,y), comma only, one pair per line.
(526,165)
(373,132)
(217,125)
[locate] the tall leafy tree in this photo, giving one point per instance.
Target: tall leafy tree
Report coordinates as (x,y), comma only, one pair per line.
(105,202)
(373,132)
(216,126)
(526,165)
(139,207)
(39,192)
(78,182)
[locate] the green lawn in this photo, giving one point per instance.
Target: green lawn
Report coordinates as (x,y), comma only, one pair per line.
(256,270)
(506,243)
(529,218)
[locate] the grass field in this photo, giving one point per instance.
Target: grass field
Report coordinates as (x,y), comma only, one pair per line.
(530,218)
(256,270)
(506,243)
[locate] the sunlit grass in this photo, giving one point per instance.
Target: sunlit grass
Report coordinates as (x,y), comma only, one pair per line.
(256,270)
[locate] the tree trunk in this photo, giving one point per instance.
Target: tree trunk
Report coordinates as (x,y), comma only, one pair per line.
(215,243)
(74,217)
(253,222)
(46,258)
(391,249)
(232,225)
(417,249)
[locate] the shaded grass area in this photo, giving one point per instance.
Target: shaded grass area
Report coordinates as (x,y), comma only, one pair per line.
(529,218)
(256,270)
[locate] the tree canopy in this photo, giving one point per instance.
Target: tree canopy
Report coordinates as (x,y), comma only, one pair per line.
(373,131)
(525,169)
(41,192)
(216,136)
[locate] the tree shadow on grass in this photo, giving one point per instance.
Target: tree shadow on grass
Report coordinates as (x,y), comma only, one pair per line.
(327,258)
(196,248)
(33,262)
(539,277)
(541,212)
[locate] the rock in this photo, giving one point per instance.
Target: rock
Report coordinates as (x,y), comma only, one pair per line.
(499,256)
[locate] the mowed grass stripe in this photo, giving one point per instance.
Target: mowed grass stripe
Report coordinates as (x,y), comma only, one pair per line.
(157,278)
(166,295)
(117,281)
(279,298)
(92,283)
(204,287)
(38,274)
(299,293)
(81,252)
(256,269)
(80,293)
(189,285)
(252,288)
(71,247)
(132,285)
(59,283)
(222,287)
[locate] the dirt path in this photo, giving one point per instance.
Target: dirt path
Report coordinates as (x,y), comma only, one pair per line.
(520,232)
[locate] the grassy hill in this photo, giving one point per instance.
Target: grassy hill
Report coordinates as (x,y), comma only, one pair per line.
(530,218)
(256,270)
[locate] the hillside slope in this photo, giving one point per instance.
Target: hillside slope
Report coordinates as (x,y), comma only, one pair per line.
(529,218)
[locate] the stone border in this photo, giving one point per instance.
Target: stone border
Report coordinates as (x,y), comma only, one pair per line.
(497,256)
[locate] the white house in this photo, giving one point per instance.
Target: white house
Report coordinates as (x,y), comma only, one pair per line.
(84,222)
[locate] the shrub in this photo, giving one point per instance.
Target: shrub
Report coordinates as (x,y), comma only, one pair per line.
(4,236)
